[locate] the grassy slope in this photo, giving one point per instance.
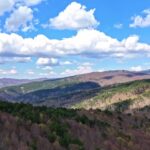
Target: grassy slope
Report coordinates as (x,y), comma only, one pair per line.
(137,92)
(25,127)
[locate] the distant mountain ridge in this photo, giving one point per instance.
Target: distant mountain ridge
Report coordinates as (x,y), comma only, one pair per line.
(107,78)
(103,78)
(10,81)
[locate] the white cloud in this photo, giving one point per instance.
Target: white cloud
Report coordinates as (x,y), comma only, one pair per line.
(21,18)
(30,72)
(32,2)
(83,68)
(9,5)
(47,62)
(98,44)
(136,68)
(101,70)
(66,63)
(20,14)
(144,66)
(6,5)
(47,68)
(75,16)
(141,21)
(50,74)
(12,71)
(118,26)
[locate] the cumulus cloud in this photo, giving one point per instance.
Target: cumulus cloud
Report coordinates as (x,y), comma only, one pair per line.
(65,63)
(47,68)
(75,16)
(50,74)
(140,67)
(6,5)
(30,72)
(9,5)
(47,62)
(98,44)
(136,68)
(20,18)
(12,71)
(141,20)
(83,68)
(20,14)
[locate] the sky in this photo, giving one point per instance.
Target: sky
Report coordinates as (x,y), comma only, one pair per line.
(58,38)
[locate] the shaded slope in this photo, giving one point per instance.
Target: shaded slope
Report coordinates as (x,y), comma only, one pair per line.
(11,93)
(61,96)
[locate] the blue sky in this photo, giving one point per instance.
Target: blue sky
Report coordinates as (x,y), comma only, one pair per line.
(53,38)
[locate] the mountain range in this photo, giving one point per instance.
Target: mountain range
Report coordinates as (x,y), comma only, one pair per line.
(81,90)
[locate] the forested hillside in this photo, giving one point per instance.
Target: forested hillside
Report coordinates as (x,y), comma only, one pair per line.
(25,127)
